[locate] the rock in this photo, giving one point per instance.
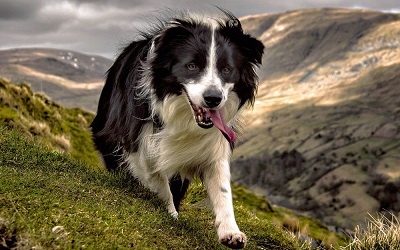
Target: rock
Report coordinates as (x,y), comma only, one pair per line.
(388,131)
(57,229)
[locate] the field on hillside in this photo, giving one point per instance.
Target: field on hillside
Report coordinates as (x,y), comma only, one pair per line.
(53,196)
(49,200)
(324,135)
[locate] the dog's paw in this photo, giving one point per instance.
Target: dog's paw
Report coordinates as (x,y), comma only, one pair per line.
(235,240)
(174,215)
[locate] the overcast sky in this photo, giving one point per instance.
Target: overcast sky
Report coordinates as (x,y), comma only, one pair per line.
(103,26)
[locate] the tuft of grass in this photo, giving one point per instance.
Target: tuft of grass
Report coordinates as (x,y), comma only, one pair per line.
(49,200)
(381,233)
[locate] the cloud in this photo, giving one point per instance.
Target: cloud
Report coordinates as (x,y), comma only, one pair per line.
(102,26)
(19,9)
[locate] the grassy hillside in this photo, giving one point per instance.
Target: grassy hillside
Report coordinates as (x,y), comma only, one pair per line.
(35,115)
(53,192)
(49,200)
(324,135)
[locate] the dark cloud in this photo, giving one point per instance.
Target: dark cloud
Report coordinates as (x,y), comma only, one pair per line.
(102,26)
(120,3)
(19,9)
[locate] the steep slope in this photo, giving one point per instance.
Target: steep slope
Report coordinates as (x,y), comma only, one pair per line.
(68,172)
(49,201)
(324,136)
(71,78)
(302,41)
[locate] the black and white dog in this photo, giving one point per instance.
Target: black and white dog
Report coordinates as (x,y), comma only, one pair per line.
(170,107)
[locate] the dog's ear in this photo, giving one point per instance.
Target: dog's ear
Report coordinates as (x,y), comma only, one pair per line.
(254,49)
(174,31)
(232,21)
(163,43)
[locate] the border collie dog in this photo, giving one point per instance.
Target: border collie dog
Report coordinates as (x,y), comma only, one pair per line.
(170,108)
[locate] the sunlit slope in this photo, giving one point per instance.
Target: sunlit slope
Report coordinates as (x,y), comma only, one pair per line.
(324,135)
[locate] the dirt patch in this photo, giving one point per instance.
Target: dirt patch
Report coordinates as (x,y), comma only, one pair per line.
(8,236)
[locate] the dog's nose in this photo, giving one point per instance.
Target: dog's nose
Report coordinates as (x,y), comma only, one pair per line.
(212,98)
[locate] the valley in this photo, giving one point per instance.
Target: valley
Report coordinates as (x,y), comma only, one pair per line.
(324,134)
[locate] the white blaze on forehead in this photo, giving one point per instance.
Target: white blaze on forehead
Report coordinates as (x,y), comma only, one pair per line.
(211,75)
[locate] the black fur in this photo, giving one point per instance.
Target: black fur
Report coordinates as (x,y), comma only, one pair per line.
(178,189)
(120,115)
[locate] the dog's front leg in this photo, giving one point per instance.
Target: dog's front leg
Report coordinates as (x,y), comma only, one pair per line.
(217,180)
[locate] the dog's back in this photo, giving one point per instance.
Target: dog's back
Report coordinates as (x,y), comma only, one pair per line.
(120,116)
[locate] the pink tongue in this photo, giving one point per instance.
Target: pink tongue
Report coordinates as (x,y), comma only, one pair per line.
(218,121)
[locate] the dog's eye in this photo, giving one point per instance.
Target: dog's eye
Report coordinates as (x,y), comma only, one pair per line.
(226,70)
(191,66)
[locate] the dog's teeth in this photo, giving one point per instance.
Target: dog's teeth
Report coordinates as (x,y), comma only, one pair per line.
(199,118)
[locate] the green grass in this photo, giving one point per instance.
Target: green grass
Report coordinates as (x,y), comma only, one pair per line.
(42,189)
(51,180)
(63,129)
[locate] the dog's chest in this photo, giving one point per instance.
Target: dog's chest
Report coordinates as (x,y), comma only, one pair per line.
(188,151)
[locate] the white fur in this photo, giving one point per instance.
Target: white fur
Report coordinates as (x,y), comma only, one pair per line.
(185,148)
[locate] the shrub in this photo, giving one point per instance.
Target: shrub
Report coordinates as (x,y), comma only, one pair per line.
(380,233)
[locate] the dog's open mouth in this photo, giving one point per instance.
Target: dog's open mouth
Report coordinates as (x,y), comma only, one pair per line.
(207,118)
(202,116)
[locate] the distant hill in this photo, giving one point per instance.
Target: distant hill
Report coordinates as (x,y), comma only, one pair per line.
(324,135)
(71,78)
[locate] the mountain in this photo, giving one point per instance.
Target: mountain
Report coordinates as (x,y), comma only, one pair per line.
(324,135)
(71,78)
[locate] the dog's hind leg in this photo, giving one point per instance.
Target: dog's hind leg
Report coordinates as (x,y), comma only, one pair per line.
(178,189)
(160,185)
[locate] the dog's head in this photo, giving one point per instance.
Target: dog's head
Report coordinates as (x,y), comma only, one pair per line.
(207,60)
